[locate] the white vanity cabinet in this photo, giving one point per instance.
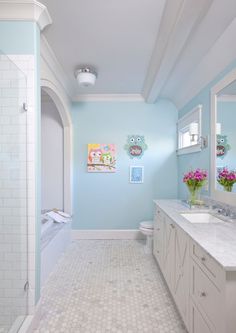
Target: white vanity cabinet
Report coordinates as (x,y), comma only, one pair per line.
(212,293)
(169,252)
(172,254)
(158,239)
(204,292)
(181,281)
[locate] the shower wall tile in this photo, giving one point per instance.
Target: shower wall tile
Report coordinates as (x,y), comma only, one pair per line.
(17,187)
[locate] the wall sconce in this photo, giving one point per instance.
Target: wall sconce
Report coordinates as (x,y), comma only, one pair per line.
(193,131)
(194,136)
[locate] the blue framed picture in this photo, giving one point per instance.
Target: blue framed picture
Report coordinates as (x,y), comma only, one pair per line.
(136,174)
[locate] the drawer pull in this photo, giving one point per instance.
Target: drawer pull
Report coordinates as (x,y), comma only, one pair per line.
(203,294)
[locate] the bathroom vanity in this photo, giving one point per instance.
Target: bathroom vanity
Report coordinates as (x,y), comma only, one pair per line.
(197,257)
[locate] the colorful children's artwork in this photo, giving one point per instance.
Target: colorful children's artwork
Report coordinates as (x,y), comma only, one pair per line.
(222,146)
(135,146)
(101,157)
(136,174)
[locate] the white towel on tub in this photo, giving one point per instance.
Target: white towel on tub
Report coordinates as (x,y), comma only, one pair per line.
(59,218)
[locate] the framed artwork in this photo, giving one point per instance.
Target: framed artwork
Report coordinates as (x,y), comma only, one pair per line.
(136,174)
(101,157)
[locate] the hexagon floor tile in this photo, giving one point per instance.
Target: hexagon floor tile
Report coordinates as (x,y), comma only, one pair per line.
(107,286)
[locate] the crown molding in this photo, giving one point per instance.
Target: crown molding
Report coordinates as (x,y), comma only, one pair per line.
(49,57)
(27,10)
(109,98)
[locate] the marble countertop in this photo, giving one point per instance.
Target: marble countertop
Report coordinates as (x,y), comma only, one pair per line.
(217,239)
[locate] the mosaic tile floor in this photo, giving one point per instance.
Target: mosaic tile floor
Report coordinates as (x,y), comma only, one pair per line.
(107,287)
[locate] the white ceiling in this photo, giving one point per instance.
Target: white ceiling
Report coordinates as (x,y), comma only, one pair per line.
(115,37)
(146,47)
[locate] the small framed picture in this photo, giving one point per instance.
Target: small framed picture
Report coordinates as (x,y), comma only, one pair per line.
(136,174)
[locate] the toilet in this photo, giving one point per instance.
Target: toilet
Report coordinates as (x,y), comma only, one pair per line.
(146,228)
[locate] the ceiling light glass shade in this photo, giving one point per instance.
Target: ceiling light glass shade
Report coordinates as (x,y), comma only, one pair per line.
(86,77)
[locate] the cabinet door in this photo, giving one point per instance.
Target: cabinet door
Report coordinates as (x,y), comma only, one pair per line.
(158,238)
(181,280)
(198,323)
(169,252)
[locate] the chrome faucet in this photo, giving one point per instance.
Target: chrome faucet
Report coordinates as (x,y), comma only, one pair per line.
(227,212)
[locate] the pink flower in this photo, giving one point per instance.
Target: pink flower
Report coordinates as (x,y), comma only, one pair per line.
(196,178)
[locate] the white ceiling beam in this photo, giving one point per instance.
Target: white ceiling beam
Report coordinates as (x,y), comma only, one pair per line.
(200,45)
(221,54)
(179,21)
(166,28)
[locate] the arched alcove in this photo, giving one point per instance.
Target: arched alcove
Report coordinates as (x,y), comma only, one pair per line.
(63,108)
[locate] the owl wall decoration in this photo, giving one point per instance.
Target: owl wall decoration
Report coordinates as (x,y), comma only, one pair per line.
(222,146)
(135,146)
(101,157)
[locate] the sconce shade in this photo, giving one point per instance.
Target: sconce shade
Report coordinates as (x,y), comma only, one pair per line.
(86,77)
(218,128)
(193,129)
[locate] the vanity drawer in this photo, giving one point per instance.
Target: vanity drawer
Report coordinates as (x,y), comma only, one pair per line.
(213,270)
(206,295)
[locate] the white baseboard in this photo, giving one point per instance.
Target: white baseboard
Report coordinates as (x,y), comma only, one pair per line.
(106,234)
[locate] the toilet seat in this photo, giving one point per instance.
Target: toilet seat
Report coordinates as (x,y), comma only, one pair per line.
(146,231)
(146,225)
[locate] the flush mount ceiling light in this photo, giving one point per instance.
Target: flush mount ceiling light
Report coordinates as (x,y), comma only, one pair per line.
(86,77)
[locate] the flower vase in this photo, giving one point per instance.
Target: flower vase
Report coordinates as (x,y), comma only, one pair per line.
(193,195)
(228,188)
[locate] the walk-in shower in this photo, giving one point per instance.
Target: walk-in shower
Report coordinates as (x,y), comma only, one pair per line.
(13,196)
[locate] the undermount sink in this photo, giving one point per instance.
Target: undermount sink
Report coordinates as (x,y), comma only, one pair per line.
(201,218)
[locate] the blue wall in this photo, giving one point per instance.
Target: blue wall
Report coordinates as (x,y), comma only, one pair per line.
(109,201)
(199,159)
(17,37)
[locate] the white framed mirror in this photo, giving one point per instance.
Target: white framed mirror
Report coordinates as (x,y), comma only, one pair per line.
(223,139)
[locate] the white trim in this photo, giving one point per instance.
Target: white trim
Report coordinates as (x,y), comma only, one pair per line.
(189,150)
(66,120)
(31,322)
(50,59)
(26,10)
(185,122)
(226,197)
(227,98)
(109,98)
(106,234)
(189,114)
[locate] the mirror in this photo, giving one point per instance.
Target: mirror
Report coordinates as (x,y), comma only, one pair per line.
(226,138)
(223,139)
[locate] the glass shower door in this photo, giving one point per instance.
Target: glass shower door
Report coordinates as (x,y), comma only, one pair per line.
(13,196)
